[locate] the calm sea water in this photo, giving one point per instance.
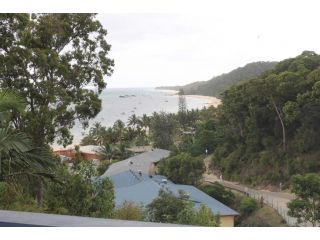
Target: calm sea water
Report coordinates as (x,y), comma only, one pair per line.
(137,101)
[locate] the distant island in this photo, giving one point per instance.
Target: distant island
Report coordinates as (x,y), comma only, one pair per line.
(217,85)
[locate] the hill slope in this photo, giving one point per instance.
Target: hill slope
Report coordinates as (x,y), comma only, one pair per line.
(269,126)
(218,84)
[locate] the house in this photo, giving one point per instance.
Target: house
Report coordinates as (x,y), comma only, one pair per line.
(145,163)
(88,152)
(134,181)
(140,149)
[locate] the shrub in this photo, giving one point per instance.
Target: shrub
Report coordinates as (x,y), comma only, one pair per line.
(129,211)
(76,194)
(248,206)
(182,168)
(217,191)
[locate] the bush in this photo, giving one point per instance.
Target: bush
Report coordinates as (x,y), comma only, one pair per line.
(103,167)
(165,208)
(248,206)
(129,211)
(217,191)
(171,209)
(12,197)
(182,168)
(76,194)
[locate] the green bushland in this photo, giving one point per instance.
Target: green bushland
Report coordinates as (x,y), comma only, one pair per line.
(178,209)
(217,191)
(269,125)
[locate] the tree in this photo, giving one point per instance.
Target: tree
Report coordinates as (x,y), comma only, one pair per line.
(248,206)
(182,101)
(267,127)
(129,211)
(182,113)
(202,217)
(205,217)
(306,206)
(76,194)
(166,207)
(50,59)
(182,168)
(217,191)
(162,129)
(19,158)
(133,121)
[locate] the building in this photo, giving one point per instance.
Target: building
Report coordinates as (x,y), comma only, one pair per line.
(134,181)
(145,163)
(88,152)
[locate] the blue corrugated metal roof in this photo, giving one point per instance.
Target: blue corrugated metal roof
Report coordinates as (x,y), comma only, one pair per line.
(131,186)
(141,162)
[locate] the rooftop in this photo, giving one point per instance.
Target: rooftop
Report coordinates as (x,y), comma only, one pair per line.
(142,189)
(141,162)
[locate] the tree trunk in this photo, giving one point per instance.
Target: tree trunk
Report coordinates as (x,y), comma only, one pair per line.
(40,194)
(282,125)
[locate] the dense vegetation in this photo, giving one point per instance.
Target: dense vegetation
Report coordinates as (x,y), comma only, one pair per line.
(269,126)
(306,206)
(217,85)
(182,168)
(178,209)
(47,60)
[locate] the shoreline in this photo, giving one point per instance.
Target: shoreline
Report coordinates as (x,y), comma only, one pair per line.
(212,101)
(209,101)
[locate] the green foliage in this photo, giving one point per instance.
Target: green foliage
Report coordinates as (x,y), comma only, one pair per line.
(49,59)
(205,217)
(166,207)
(217,191)
(129,211)
(103,167)
(217,85)
(12,197)
(171,209)
(162,127)
(248,206)
(263,217)
(267,127)
(76,194)
(207,137)
(306,206)
(202,217)
(182,168)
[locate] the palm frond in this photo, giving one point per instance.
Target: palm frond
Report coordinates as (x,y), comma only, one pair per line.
(18,142)
(11,100)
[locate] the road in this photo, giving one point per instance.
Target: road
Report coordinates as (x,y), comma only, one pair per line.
(276,200)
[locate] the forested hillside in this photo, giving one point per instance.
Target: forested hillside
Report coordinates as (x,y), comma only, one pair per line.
(269,126)
(217,85)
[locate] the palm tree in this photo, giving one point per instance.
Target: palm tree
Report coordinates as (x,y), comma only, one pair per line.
(18,157)
(146,123)
(98,132)
(133,120)
(108,152)
(118,129)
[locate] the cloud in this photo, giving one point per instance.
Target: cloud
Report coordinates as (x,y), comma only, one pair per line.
(175,49)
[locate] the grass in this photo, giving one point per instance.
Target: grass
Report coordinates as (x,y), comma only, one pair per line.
(264,217)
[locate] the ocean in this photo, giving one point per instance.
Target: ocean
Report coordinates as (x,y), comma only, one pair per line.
(121,103)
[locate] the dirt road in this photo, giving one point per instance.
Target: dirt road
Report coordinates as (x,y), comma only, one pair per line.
(276,200)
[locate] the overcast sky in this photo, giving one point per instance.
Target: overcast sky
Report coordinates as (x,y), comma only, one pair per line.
(156,49)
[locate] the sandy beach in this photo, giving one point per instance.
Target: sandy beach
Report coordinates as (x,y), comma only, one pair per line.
(212,101)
